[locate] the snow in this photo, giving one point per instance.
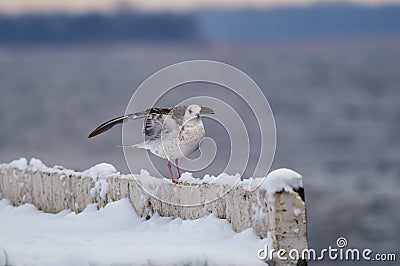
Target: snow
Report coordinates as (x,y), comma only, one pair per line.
(116,235)
(95,189)
(103,189)
(252,183)
(101,170)
(144,173)
(19,164)
(36,164)
(278,180)
(282,180)
(222,179)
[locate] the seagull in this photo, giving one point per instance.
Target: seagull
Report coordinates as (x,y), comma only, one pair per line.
(173,132)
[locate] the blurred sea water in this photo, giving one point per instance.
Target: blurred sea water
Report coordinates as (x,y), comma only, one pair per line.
(336,105)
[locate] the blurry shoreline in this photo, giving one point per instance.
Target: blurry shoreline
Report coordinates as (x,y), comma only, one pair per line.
(283,24)
(303,43)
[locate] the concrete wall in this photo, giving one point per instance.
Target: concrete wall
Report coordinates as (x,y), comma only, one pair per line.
(280,214)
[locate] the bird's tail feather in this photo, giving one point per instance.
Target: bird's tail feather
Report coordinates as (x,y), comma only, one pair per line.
(138,146)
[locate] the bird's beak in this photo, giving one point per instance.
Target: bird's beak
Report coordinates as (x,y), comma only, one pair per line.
(206,110)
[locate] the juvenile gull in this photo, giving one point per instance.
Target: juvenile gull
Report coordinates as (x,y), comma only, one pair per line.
(173,132)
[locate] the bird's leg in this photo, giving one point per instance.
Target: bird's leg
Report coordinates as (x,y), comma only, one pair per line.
(177,168)
(170,172)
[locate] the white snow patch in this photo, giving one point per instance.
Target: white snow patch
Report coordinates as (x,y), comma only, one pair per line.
(188,178)
(95,189)
(100,187)
(103,189)
(101,170)
(222,179)
(115,235)
(36,164)
(144,173)
(19,164)
(225,179)
(282,180)
(252,183)
(143,201)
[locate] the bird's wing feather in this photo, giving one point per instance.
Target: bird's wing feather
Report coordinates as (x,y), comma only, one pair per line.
(109,124)
(160,121)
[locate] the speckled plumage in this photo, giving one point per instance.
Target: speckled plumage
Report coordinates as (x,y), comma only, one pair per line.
(175,137)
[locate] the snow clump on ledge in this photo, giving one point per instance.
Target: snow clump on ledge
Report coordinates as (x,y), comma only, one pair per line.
(282,180)
(100,170)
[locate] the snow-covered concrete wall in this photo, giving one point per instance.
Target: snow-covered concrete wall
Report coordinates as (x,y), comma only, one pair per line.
(275,209)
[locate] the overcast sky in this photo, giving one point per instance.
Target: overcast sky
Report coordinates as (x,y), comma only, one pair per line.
(21,6)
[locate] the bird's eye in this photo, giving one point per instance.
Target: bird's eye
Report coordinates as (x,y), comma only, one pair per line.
(190,111)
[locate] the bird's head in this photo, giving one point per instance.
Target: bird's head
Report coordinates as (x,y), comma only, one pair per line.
(192,111)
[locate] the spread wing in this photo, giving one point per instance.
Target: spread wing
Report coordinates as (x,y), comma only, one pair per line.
(118,120)
(155,121)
